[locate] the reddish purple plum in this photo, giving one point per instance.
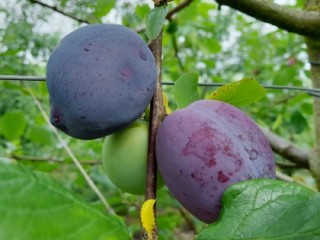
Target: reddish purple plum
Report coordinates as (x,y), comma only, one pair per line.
(100,78)
(203,149)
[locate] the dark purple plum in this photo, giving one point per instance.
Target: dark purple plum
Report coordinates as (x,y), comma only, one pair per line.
(100,78)
(203,149)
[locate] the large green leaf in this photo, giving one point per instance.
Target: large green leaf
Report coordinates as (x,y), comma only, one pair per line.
(103,7)
(155,20)
(185,90)
(13,124)
(238,93)
(267,209)
(34,206)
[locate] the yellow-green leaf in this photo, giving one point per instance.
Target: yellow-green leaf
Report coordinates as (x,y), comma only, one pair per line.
(147,217)
(277,122)
(243,92)
(166,103)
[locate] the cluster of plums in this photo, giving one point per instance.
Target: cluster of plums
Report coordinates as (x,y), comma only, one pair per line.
(101,78)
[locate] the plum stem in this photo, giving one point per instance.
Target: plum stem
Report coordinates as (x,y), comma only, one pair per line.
(157,114)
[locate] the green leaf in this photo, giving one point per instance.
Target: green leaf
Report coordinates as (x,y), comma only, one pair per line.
(10,85)
(209,45)
(267,209)
(142,10)
(185,90)
(35,206)
(285,75)
(155,20)
(297,122)
(40,135)
(103,7)
(307,108)
(13,124)
(299,3)
(277,123)
(243,92)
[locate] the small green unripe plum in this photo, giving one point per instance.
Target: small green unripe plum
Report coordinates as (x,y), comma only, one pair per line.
(124,158)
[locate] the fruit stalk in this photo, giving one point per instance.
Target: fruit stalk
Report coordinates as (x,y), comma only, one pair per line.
(157,114)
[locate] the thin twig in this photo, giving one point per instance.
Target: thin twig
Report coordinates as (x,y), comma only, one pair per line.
(176,50)
(286,178)
(54,8)
(289,166)
(71,155)
(178,8)
(188,219)
(51,159)
(170,13)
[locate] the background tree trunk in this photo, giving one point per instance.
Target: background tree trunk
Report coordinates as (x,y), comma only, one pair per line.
(313,45)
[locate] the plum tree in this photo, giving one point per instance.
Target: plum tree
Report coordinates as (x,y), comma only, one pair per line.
(206,147)
(124,158)
(100,78)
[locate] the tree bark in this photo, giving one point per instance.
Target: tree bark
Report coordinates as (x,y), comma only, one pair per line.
(286,149)
(313,47)
(302,22)
(157,114)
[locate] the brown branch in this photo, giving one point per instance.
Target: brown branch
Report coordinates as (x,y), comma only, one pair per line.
(158,3)
(188,220)
(292,20)
(36,159)
(157,114)
(50,159)
(174,40)
(170,13)
(313,49)
(176,51)
(287,165)
(284,177)
(288,150)
(54,8)
(178,8)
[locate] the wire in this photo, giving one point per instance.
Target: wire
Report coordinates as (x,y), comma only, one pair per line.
(312,91)
(22,78)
